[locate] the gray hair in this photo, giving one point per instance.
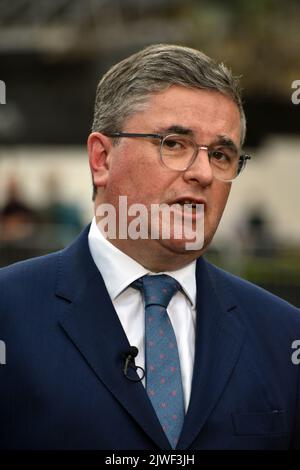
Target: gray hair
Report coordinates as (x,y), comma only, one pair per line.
(127,86)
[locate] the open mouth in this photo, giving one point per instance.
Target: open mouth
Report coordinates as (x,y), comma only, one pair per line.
(189,204)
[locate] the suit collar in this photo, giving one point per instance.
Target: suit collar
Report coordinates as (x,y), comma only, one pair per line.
(90,315)
(91,323)
(220,335)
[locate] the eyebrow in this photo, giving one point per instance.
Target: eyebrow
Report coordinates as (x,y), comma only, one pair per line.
(226,142)
(177,129)
(222,140)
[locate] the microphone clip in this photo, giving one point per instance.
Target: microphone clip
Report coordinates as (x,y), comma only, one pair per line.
(130,364)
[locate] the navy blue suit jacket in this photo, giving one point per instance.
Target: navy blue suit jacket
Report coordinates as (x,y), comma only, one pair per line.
(62,386)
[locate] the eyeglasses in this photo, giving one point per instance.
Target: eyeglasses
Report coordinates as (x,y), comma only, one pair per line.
(178,152)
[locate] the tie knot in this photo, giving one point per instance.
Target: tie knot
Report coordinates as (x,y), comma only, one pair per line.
(158,289)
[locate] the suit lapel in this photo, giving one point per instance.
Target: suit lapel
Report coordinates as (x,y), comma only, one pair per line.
(91,323)
(219,338)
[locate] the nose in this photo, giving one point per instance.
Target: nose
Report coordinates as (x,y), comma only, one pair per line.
(200,171)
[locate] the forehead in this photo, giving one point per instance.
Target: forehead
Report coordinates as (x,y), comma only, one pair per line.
(206,113)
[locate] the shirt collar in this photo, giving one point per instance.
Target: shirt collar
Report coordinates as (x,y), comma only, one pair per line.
(120,270)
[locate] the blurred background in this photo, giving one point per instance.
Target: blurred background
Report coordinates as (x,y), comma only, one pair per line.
(52,54)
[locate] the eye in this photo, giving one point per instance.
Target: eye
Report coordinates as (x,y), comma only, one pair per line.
(173,144)
(219,155)
(177,145)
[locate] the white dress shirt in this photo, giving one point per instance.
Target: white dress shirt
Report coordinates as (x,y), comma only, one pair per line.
(119,271)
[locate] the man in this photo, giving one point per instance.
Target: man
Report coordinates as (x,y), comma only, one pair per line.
(213,353)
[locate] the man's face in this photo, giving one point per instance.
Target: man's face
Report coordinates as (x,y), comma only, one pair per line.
(134,168)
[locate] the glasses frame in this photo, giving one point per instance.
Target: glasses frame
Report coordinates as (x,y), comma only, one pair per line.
(241,163)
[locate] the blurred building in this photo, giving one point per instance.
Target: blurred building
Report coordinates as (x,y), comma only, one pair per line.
(52,54)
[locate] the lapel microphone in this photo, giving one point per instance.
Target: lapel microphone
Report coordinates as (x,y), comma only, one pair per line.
(130,364)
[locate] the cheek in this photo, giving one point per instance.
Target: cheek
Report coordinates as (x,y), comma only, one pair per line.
(139,175)
(224,194)
(219,198)
(121,172)
(130,179)
(140,179)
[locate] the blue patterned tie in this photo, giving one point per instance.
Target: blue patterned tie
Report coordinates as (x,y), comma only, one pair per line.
(163,377)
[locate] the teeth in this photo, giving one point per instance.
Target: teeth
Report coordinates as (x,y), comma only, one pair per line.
(190,203)
(187,202)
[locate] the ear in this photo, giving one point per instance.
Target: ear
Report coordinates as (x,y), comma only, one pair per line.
(98,150)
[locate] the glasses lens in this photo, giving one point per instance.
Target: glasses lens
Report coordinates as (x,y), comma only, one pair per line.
(224,163)
(177,152)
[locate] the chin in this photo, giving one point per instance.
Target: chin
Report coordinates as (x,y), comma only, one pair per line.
(183,246)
